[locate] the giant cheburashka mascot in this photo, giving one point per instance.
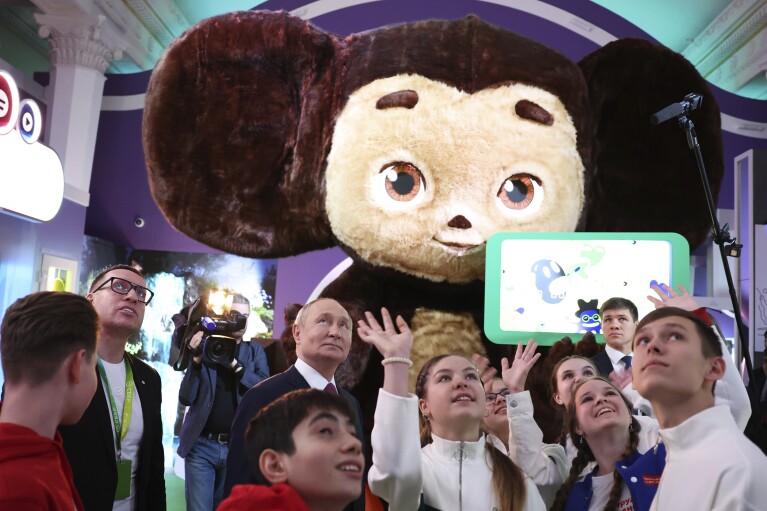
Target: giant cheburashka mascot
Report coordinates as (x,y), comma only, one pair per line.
(409,146)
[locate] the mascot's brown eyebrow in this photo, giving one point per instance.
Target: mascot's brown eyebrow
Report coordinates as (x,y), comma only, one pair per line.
(528,110)
(400,99)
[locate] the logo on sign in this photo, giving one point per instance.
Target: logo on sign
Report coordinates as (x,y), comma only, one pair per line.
(9,99)
(30,121)
(31,172)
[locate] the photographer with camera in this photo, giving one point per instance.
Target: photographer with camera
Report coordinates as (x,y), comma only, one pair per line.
(221,369)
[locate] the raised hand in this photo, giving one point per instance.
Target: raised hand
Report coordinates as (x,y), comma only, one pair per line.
(669,297)
(621,378)
(389,340)
(514,376)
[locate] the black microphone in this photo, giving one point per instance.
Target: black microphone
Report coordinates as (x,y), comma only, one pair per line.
(690,102)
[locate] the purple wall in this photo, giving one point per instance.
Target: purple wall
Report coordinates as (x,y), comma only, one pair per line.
(119,189)
(298,276)
(23,242)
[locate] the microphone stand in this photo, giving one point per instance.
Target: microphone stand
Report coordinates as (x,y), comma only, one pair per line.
(727,246)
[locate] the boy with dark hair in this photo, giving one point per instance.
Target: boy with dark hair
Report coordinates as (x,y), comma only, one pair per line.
(304,449)
(677,361)
(47,346)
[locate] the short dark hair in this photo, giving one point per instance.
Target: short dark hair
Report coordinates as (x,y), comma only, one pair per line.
(97,280)
(708,340)
(616,303)
(40,330)
(272,427)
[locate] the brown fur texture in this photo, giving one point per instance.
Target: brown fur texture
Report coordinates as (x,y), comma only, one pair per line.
(234,123)
(462,150)
(628,81)
(240,120)
(240,115)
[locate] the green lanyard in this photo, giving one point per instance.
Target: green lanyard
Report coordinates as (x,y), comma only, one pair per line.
(120,432)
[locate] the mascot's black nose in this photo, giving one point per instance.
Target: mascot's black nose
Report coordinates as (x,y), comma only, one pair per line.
(459,222)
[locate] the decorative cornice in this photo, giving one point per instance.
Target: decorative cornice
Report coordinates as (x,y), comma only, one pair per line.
(754,24)
(77,40)
(23,30)
(718,30)
(151,21)
(144,49)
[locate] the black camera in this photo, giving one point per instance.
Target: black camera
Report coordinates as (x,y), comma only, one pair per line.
(218,343)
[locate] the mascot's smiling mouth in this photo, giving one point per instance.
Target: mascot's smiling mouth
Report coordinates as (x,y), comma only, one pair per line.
(457,248)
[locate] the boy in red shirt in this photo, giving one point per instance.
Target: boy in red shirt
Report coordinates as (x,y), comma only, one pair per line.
(47,347)
(305,452)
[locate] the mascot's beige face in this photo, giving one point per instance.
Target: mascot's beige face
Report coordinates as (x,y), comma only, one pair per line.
(420,174)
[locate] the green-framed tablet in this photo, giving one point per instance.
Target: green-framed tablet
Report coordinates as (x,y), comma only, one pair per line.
(549,285)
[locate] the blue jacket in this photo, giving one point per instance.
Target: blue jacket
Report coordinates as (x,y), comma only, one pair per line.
(198,389)
(641,472)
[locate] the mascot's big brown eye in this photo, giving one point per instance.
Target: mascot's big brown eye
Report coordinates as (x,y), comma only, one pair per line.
(520,191)
(403,181)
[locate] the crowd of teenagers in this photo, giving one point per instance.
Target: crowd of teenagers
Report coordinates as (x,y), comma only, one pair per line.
(659,426)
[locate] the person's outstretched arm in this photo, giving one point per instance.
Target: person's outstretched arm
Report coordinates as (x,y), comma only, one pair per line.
(396,472)
(545,464)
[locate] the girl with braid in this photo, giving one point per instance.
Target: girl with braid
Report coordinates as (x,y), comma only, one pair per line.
(453,466)
(549,464)
(606,436)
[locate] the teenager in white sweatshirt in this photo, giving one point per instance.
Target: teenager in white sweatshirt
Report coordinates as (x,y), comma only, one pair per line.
(710,464)
(549,464)
(451,465)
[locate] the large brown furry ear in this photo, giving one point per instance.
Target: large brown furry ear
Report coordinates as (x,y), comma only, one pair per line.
(236,130)
(646,177)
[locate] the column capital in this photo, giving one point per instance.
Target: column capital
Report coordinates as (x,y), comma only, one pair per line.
(78,40)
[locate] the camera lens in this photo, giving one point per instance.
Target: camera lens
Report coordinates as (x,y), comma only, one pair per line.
(220,349)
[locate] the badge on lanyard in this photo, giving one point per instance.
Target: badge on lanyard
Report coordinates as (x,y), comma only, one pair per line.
(121,428)
(123,479)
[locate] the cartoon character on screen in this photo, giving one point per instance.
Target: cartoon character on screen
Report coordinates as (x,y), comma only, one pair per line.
(547,275)
(588,316)
(409,146)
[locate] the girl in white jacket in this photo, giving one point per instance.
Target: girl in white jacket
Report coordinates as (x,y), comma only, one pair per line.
(453,465)
(549,464)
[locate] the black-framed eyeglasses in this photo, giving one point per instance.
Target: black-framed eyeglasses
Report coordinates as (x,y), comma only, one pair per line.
(490,397)
(123,287)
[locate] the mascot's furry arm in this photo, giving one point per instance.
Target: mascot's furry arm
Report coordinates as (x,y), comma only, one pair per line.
(409,146)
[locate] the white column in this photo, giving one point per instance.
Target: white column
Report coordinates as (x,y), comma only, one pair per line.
(79,57)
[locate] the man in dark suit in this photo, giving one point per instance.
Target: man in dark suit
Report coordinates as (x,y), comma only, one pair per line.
(619,318)
(116,449)
(323,333)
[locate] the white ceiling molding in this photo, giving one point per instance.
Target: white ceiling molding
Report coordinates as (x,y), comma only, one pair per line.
(23,30)
(732,51)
